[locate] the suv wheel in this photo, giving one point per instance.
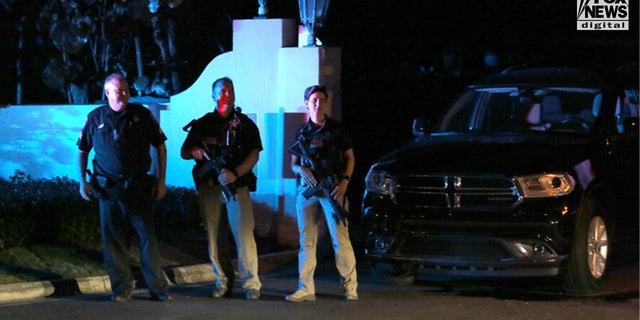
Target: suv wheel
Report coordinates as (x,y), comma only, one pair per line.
(392,273)
(588,262)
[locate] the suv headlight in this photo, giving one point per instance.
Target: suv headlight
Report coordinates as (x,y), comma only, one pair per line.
(380,181)
(546,185)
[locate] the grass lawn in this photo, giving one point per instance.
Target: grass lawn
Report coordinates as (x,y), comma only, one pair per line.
(46,262)
(49,262)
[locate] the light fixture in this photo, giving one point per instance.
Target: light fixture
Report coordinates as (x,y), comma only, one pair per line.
(312,16)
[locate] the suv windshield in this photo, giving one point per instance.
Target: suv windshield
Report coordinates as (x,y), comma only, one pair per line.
(523,109)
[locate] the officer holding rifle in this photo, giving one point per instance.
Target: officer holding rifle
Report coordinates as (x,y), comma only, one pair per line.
(225,144)
(323,160)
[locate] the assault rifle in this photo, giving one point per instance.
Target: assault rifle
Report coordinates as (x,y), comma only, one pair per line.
(324,183)
(214,164)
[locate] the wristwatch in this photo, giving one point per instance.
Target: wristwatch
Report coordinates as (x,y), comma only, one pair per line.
(346,177)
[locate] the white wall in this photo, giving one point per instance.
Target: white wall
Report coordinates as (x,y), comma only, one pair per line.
(41,140)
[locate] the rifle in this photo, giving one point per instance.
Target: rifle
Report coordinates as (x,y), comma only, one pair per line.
(339,213)
(215,164)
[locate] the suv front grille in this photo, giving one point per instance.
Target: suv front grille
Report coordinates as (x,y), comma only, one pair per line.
(456,192)
(454,246)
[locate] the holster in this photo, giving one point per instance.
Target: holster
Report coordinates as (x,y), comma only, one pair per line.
(136,186)
(98,185)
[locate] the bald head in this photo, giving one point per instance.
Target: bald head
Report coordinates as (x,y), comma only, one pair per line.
(116,89)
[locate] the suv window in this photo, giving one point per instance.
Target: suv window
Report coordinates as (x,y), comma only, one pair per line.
(523,109)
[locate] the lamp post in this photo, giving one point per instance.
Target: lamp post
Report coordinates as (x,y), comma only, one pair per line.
(312,16)
(262,8)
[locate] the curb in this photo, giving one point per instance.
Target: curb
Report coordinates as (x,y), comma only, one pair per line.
(100,284)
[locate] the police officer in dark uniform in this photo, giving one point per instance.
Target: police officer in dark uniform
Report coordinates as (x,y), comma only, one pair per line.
(121,134)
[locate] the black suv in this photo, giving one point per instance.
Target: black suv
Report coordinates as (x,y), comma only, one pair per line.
(530,173)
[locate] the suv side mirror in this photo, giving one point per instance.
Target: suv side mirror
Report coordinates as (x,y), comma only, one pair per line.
(421,127)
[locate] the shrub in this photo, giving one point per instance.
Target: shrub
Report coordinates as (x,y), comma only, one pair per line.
(35,211)
(16,224)
(178,215)
(44,211)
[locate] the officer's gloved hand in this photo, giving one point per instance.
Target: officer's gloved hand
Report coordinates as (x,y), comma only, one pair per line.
(226,177)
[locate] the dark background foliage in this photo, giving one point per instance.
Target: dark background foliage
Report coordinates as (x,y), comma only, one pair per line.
(39,32)
(45,211)
(50,211)
(387,45)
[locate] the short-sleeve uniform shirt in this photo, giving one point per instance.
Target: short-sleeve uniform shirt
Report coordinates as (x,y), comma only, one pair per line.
(121,140)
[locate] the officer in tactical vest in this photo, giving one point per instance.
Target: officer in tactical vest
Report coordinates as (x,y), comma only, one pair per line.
(323,160)
(225,144)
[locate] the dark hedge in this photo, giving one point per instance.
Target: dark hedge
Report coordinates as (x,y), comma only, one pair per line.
(35,211)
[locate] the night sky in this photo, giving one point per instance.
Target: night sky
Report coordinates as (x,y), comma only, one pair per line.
(392,52)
